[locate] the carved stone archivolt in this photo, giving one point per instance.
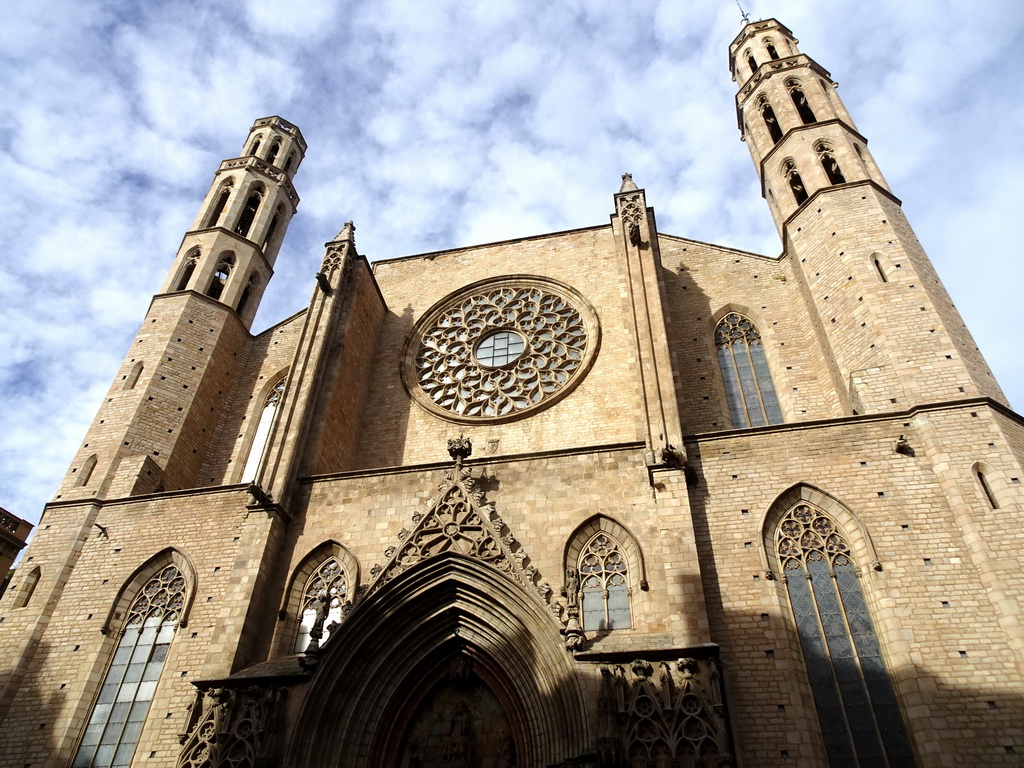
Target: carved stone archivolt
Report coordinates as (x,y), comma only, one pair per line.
(500,348)
(669,714)
(231,728)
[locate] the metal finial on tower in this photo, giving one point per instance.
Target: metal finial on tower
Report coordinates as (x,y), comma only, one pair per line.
(743,14)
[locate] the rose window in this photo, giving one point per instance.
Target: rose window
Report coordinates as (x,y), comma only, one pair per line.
(500,348)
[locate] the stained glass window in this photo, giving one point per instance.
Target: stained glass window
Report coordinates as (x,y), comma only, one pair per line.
(604,588)
(329,583)
(127,691)
(860,718)
(748,383)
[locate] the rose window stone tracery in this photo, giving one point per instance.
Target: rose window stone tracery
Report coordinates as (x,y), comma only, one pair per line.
(500,348)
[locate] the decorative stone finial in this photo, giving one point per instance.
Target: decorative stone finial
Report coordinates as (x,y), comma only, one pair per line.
(347,234)
(460,448)
(627,183)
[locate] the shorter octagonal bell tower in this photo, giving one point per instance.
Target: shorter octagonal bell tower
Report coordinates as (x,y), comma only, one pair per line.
(799,133)
(230,251)
(861,269)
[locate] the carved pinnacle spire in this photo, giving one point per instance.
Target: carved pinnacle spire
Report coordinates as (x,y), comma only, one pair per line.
(347,234)
(627,183)
(460,448)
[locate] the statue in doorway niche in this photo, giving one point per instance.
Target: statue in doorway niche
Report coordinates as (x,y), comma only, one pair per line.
(456,748)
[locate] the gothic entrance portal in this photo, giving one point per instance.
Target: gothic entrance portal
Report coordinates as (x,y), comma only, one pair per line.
(460,722)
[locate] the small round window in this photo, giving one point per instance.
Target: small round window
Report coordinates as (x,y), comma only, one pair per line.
(500,348)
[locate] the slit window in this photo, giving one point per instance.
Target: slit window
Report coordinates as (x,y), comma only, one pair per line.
(133,376)
(85,474)
(987,489)
(28,588)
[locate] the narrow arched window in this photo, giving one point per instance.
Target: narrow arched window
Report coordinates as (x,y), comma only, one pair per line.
(218,207)
(326,590)
(28,588)
(604,585)
(122,706)
(826,154)
(770,121)
(769,45)
(220,278)
(796,91)
(751,62)
(796,184)
(247,292)
(859,715)
(186,273)
(748,382)
(256,145)
(245,220)
(876,259)
(272,229)
(133,376)
(275,148)
(85,474)
(291,161)
(986,488)
(262,435)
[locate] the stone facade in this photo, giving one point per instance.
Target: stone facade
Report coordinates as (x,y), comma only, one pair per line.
(528,504)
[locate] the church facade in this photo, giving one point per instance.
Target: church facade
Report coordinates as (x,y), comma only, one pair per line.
(605,497)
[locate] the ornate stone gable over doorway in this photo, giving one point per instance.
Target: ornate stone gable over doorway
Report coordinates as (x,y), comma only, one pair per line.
(460,521)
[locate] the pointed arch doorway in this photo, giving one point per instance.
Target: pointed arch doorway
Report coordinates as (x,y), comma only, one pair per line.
(452,663)
(462,712)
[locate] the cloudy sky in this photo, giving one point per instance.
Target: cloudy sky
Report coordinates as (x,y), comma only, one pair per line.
(436,124)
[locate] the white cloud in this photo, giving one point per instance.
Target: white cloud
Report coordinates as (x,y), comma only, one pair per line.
(441,124)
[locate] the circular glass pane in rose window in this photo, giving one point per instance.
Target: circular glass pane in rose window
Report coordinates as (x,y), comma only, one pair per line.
(500,348)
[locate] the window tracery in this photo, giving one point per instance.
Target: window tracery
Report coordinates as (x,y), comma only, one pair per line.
(497,352)
(803,108)
(325,591)
(857,708)
(826,154)
(126,693)
(770,121)
(748,383)
(187,271)
(604,592)
(796,184)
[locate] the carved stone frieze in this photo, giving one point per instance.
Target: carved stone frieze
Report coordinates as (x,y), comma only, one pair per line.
(230,727)
(664,714)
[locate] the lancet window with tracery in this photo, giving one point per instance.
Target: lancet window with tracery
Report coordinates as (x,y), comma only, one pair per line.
(326,589)
(261,439)
(857,707)
(748,382)
(122,706)
(604,587)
